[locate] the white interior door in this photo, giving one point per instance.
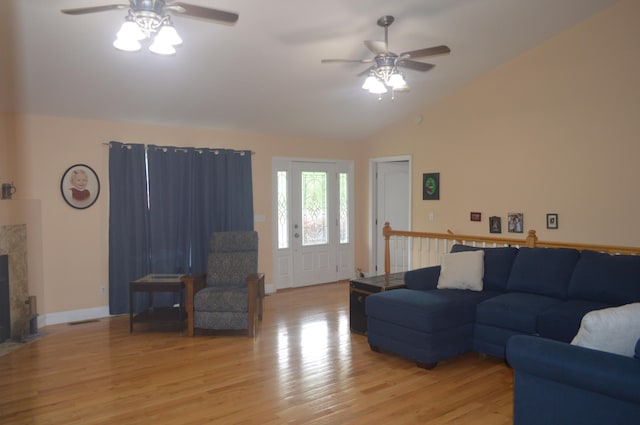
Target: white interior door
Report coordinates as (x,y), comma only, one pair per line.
(392,204)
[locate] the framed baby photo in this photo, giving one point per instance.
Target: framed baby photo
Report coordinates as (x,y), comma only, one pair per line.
(80,186)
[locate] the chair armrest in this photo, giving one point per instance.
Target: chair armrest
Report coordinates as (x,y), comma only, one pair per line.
(604,373)
(255,286)
(192,284)
(424,278)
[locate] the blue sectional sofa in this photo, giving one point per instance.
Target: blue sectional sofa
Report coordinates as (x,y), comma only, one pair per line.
(556,383)
(526,291)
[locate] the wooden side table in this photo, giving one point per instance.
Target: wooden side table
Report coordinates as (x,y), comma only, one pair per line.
(150,284)
(361,288)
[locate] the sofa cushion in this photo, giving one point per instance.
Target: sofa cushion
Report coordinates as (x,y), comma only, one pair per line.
(516,311)
(426,311)
(615,330)
(462,270)
(497,265)
(614,279)
(637,355)
(562,321)
(543,271)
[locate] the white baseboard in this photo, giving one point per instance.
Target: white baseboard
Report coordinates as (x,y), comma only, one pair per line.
(72,316)
(270,288)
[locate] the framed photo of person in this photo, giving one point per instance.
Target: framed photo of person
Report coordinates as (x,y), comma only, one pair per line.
(430,186)
(80,186)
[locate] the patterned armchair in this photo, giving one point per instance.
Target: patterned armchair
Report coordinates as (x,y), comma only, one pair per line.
(230,295)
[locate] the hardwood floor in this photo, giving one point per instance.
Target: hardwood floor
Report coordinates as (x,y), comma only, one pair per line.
(303,367)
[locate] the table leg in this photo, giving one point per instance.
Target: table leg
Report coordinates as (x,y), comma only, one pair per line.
(130,309)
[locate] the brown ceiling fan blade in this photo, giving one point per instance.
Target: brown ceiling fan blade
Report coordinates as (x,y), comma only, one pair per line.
(83,10)
(377,47)
(423,53)
(203,12)
(416,66)
(346,60)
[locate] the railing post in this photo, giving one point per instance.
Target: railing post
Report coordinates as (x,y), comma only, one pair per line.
(531,239)
(386,232)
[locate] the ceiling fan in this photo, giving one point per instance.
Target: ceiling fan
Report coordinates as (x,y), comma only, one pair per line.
(148,17)
(383,74)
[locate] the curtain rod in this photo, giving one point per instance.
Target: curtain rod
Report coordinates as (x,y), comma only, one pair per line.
(178,147)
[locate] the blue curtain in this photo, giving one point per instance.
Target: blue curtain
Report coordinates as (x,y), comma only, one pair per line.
(169,195)
(222,198)
(191,194)
(128,223)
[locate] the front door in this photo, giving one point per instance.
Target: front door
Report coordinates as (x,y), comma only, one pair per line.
(314,226)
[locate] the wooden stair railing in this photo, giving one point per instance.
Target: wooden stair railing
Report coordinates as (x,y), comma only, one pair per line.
(431,246)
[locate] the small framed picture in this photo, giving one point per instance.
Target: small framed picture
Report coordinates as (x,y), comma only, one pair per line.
(495,224)
(80,186)
(552,221)
(476,216)
(515,223)
(431,186)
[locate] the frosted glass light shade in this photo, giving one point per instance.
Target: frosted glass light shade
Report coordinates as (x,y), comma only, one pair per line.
(377,87)
(169,35)
(128,45)
(396,81)
(161,47)
(131,31)
(369,82)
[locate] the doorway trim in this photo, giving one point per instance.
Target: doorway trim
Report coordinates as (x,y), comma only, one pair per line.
(373,208)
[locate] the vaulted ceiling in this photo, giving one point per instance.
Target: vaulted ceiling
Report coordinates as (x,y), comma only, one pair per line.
(263,74)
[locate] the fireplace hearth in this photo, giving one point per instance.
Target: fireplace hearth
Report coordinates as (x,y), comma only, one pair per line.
(13,293)
(5,317)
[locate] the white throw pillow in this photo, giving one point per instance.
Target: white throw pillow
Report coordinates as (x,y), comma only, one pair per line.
(462,270)
(615,329)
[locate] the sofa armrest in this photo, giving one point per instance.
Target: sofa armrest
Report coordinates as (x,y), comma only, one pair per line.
(423,279)
(600,372)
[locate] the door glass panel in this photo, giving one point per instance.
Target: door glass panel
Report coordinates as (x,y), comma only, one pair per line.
(314,208)
(283,211)
(344,209)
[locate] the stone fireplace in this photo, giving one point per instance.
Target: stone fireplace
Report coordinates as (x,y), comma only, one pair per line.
(13,250)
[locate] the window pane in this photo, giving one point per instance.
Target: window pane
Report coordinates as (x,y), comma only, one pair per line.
(344,209)
(314,208)
(283,212)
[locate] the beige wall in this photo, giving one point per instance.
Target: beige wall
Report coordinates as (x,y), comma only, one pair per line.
(554,130)
(75,242)
(557,130)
